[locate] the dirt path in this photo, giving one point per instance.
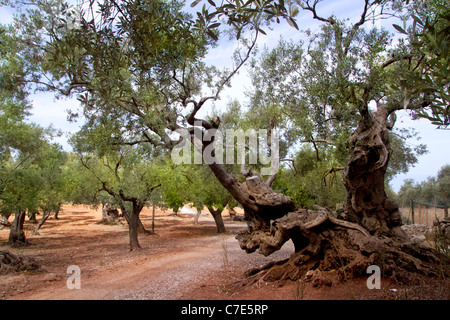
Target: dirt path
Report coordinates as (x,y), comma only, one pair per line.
(182,256)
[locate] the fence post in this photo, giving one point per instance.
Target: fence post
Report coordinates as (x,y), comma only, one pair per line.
(446,211)
(412,211)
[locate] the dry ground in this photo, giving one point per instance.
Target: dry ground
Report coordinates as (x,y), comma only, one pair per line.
(182,261)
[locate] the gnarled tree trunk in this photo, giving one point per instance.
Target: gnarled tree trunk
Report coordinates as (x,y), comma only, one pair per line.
(140,226)
(331,244)
(197,216)
(364,177)
(135,225)
(321,240)
(10,262)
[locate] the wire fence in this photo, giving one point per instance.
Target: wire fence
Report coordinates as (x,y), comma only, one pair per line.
(418,212)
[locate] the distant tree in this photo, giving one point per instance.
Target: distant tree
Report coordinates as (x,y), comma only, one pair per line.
(209,193)
(128,176)
(81,185)
(52,191)
(34,181)
(432,190)
(30,165)
(443,183)
(408,191)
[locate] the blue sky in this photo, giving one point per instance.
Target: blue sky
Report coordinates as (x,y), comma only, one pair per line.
(48,111)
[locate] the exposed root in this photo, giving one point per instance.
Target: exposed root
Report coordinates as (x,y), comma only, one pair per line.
(303,226)
(325,243)
(10,262)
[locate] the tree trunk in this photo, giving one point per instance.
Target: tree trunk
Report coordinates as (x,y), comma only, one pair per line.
(197,216)
(217,215)
(109,214)
(127,215)
(32,217)
(16,234)
(364,177)
(331,244)
(4,221)
(44,218)
(153,218)
(133,227)
(261,204)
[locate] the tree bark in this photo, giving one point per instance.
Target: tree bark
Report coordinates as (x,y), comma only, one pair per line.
(364,177)
(4,221)
(217,215)
(16,234)
(331,244)
(261,204)
(10,262)
(140,226)
(44,218)
(32,217)
(153,218)
(133,226)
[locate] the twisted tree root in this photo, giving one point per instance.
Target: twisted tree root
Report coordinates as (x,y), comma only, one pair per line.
(323,242)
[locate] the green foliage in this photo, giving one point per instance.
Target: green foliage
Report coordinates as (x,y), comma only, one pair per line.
(430,36)
(403,156)
(117,176)
(443,181)
(309,181)
(31,175)
(241,15)
(135,67)
(287,184)
(130,67)
(81,185)
(191,184)
(33,180)
(315,96)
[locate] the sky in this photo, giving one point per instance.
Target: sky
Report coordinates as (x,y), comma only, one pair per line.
(49,111)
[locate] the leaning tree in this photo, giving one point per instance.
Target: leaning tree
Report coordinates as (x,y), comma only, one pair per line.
(137,68)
